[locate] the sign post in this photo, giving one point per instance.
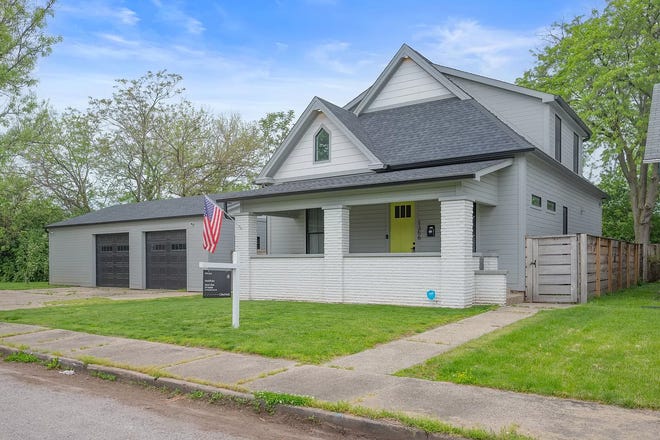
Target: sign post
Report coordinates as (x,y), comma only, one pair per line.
(235,283)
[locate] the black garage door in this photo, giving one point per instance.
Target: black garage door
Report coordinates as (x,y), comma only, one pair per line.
(112,260)
(166,260)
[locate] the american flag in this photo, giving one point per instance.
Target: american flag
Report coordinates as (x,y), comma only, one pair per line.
(213,216)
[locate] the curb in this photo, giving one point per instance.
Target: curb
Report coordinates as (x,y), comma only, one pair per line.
(380,429)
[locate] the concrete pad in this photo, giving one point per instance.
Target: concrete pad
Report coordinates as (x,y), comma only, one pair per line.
(538,416)
(7,329)
(73,344)
(145,354)
(229,368)
(331,384)
(38,338)
(391,357)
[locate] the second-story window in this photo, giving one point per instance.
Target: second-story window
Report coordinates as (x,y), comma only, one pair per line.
(576,153)
(321,146)
(558,138)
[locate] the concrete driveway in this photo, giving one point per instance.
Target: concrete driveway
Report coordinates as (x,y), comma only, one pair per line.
(23,299)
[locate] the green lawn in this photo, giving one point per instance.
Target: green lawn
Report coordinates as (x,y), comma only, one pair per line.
(307,332)
(607,350)
(4,285)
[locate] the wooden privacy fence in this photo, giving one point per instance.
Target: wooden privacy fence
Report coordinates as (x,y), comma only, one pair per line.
(573,268)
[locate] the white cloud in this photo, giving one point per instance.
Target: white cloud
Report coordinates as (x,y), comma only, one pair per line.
(338,58)
(468,45)
(127,16)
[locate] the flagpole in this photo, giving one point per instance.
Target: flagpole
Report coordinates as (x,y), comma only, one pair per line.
(235,301)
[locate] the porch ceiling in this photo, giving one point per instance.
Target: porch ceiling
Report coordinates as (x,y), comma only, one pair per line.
(468,170)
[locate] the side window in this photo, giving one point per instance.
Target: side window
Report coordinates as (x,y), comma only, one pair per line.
(558,138)
(576,153)
(321,146)
(536,201)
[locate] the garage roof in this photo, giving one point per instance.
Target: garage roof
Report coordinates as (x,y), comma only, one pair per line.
(155,209)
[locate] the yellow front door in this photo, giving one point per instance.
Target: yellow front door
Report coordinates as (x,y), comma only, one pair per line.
(402,227)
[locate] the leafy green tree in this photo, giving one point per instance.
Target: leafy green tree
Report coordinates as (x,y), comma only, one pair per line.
(130,121)
(23,239)
(605,67)
(61,157)
(617,214)
(22,42)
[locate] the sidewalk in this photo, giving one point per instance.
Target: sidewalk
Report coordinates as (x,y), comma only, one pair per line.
(364,379)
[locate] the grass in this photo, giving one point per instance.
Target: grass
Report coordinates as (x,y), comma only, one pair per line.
(306,332)
(4,285)
(607,350)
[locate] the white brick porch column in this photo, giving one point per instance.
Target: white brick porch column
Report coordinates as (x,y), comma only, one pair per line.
(457,282)
(246,246)
(335,243)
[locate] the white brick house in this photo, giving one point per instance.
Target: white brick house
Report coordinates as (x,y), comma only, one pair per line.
(426,182)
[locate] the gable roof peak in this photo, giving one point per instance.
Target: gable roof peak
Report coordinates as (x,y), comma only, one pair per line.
(407,52)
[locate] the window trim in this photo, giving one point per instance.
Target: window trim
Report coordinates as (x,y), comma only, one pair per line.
(531,201)
(558,138)
(314,149)
(576,153)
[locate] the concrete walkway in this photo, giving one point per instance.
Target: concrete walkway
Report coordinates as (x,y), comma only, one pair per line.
(403,353)
(367,383)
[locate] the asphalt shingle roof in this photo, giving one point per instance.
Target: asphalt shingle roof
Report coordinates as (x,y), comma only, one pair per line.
(435,131)
(182,207)
(442,172)
(652,152)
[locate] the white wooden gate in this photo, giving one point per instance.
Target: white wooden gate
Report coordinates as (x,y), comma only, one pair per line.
(552,268)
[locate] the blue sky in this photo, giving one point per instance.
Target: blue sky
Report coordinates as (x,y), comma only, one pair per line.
(254,57)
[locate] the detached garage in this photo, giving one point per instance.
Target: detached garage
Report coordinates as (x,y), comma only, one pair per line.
(147,245)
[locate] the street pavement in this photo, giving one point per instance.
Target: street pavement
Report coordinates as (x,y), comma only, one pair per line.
(364,379)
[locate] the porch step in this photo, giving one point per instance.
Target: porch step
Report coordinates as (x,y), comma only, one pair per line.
(515,298)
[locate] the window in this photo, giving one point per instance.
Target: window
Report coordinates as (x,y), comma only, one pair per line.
(565,221)
(157,247)
(403,211)
(557,138)
(321,146)
(536,201)
(106,248)
(576,153)
(314,229)
(551,206)
(122,248)
(178,246)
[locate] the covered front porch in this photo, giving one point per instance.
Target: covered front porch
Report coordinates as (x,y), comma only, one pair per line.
(400,246)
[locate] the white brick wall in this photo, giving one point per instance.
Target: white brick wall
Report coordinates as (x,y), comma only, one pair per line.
(289,278)
(490,288)
(336,244)
(402,280)
(457,286)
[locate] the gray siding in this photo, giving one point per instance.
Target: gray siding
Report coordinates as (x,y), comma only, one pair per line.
(499,229)
(286,235)
(524,114)
(568,127)
(368,226)
(584,210)
(427,213)
(72,254)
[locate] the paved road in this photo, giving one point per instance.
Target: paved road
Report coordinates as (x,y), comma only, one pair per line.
(36,403)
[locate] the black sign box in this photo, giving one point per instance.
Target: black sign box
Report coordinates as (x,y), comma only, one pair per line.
(217,284)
